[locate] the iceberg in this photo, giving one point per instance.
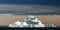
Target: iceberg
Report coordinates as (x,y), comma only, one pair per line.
(31,21)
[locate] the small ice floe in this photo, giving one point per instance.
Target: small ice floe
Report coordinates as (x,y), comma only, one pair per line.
(50,25)
(15,24)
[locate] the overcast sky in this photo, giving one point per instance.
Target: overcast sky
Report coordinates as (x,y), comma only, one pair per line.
(44,2)
(28,4)
(15,7)
(9,6)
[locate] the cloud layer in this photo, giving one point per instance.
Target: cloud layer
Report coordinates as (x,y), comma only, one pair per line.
(13,8)
(28,7)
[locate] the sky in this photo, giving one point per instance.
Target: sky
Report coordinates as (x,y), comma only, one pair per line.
(46,2)
(30,6)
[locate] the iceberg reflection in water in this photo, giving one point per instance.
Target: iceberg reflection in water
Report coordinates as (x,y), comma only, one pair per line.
(31,21)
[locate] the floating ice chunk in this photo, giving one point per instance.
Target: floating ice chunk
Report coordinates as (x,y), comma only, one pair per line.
(15,24)
(50,25)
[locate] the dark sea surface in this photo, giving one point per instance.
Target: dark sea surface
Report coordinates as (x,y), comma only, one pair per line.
(27,2)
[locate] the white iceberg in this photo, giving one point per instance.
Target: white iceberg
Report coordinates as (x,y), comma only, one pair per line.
(31,21)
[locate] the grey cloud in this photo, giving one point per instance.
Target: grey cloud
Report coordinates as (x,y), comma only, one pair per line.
(28,8)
